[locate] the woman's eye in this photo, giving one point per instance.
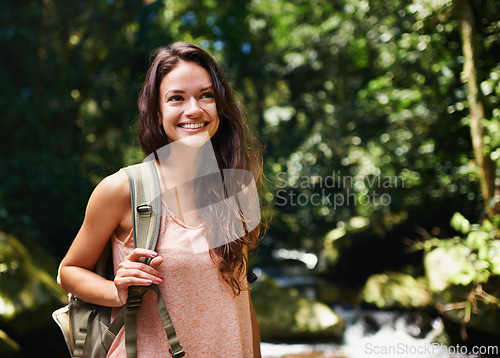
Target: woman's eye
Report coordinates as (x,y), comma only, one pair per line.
(207,95)
(175,98)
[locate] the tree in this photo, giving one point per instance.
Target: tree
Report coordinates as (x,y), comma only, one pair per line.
(478,112)
(73,71)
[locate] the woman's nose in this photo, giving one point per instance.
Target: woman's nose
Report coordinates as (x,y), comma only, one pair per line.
(193,108)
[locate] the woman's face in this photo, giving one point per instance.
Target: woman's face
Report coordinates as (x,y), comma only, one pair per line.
(187,102)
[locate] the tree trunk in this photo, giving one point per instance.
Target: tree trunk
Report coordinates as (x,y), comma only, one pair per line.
(476,106)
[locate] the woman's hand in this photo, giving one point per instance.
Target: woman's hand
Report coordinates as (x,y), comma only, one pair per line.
(131,272)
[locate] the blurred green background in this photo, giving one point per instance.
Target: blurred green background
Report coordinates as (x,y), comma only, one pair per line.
(379,119)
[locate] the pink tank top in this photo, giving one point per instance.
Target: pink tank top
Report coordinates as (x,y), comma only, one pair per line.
(209,320)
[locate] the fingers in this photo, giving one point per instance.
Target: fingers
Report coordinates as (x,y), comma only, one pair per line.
(133,273)
(139,270)
(138,253)
(123,282)
(156,262)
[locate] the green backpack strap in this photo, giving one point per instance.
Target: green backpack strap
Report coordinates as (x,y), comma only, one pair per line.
(145,199)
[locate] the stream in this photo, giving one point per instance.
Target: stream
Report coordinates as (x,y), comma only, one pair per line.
(368,333)
(385,334)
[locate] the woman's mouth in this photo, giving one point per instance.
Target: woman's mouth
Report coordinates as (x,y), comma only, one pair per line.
(193,126)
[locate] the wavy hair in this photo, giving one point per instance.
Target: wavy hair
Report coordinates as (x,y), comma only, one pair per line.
(234,144)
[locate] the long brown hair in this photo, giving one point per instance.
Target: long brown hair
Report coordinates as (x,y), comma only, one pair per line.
(234,144)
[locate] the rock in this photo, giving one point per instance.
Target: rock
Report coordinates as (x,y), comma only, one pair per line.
(287,315)
(396,289)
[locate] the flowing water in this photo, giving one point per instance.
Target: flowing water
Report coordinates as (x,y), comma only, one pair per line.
(378,334)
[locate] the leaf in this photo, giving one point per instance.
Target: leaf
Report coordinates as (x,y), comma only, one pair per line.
(460,223)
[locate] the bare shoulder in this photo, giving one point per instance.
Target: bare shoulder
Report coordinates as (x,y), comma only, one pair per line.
(107,210)
(111,196)
(115,186)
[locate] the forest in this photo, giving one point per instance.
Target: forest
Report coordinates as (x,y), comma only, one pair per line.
(379,122)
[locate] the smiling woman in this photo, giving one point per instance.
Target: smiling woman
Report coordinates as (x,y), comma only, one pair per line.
(185,98)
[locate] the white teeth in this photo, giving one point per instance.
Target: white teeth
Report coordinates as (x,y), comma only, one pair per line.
(192,126)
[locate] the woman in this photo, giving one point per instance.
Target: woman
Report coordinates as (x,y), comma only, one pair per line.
(184,101)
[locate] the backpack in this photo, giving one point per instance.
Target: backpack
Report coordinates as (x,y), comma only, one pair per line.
(87,328)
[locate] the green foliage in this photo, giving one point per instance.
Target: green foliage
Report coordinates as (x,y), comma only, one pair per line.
(27,279)
(459,223)
(373,90)
(464,261)
(28,295)
(67,110)
(9,347)
(464,272)
(352,88)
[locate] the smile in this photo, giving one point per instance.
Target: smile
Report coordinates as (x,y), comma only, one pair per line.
(193,125)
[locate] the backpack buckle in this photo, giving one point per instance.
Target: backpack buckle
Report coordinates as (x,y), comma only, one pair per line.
(145,210)
(178,353)
(134,300)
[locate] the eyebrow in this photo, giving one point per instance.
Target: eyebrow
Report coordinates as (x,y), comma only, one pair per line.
(181,91)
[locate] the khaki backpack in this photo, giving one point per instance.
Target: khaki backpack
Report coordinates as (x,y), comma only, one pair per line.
(87,328)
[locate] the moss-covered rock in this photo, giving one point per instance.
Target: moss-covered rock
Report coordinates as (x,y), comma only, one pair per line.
(285,314)
(396,289)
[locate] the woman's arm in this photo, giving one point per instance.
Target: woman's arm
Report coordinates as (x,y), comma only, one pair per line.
(108,211)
